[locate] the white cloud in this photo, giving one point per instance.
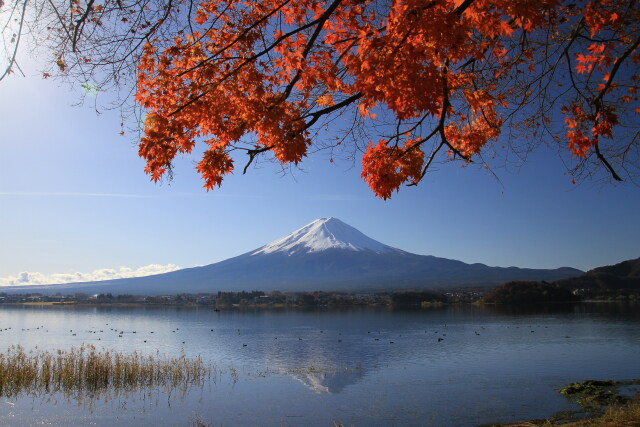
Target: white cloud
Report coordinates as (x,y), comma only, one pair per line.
(34,278)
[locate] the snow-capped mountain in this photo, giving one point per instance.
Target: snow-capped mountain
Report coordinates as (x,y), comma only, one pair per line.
(326,254)
(323,234)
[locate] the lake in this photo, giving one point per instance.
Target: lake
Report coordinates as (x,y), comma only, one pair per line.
(448,366)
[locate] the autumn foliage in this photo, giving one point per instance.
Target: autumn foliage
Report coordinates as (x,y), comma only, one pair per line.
(426,80)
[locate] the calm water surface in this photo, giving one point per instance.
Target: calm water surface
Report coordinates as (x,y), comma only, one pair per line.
(452,366)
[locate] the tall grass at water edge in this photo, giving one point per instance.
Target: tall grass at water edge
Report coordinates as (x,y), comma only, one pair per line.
(89,371)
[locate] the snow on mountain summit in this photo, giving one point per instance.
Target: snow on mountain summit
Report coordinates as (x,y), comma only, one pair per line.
(323,234)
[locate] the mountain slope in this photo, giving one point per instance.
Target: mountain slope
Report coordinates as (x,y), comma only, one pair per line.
(624,275)
(326,254)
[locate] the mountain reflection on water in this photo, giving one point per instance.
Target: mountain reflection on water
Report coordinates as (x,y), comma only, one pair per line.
(327,381)
(448,366)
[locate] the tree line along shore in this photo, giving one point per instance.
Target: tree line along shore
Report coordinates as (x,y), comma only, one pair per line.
(515,292)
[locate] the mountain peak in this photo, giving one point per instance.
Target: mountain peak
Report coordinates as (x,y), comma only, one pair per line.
(323,234)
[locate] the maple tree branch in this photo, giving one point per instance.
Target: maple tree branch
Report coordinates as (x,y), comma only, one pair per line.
(462,7)
(315,116)
(438,129)
(345,51)
(240,66)
(597,102)
(55,9)
(244,33)
(153,29)
(398,133)
(614,71)
(549,70)
(571,78)
(321,21)
(79,25)
(604,161)
(426,166)
(12,59)
(190,14)
(572,38)
(482,110)
(443,116)
(252,154)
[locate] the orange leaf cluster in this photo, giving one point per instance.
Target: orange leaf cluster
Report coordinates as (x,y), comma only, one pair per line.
(261,74)
(585,130)
(386,168)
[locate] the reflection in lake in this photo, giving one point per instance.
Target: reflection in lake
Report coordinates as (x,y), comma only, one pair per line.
(326,380)
(457,365)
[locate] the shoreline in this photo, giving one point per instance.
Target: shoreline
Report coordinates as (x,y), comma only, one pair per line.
(604,404)
(615,416)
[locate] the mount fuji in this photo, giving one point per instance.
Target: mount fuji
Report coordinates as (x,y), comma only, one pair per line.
(326,254)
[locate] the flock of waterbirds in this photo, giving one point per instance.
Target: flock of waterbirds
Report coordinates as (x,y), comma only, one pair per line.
(440,335)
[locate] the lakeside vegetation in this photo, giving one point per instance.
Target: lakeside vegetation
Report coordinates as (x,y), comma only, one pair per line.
(537,293)
(615,416)
(625,416)
(516,293)
(605,403)
(528,292)
(619,282)
(87,372)
(256,299)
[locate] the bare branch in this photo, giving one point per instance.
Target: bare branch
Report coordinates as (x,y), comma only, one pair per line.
(12,57)
(252,154)
(79,25)
(615,69)
(606,163)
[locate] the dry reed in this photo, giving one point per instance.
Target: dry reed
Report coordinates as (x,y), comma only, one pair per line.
(85,370)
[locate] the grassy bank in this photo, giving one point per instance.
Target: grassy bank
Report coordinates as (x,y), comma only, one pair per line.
(622,416)
(603,405)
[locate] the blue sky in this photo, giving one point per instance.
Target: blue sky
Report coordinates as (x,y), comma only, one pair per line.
(74,198)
